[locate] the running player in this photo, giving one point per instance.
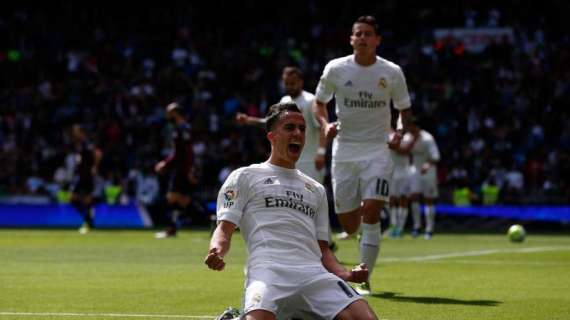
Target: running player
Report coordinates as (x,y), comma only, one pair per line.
(87,157)
(364,85)
(179,166)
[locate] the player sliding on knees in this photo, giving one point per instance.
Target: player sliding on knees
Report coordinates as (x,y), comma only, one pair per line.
(283,217)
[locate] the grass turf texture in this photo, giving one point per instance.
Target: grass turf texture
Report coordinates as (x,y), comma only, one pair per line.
(124,273)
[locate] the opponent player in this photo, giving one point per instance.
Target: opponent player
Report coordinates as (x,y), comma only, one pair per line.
(88,157)
(364,85)
(179,166)
(283,217)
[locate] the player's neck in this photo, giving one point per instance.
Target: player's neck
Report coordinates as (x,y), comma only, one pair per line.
(280,162)
(364,59)
(296,94)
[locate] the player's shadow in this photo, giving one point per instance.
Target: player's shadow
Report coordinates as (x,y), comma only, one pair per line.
(395,296)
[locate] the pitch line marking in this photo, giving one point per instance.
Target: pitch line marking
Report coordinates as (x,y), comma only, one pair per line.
(502,262)
(68,314)
(110,315)
(473,254)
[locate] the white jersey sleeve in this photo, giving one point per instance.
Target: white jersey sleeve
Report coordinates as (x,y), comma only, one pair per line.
(322,222)
(233,197)
(326,87)
(400,95)
(433,150)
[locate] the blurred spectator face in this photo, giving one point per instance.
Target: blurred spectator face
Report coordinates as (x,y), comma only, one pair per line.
(78,133)
(171,111)
(364,39)
(293,84)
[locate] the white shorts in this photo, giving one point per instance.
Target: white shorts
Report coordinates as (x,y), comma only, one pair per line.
(425,185)
(309,169)
(299,291)
(355,181)
(400,186)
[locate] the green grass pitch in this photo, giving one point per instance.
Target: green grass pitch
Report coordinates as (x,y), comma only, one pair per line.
(60,274)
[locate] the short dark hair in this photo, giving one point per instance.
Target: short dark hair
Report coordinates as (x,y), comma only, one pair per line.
(275,112)
(290,70)
(369,20)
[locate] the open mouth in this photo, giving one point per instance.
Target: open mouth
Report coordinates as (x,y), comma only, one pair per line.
(294,147)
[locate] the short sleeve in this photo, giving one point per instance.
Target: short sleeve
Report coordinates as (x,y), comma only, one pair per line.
(433,150)
(310,115)
(233,197)
(323,217)
(326,87)
(400,95)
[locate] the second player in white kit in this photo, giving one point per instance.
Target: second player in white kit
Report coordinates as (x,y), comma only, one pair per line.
(364,85)
(312,160)
(425,155)
(400,189)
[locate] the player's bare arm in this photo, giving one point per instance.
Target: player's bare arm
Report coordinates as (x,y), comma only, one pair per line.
(330,130)
(97,156)
(427,165)
(406,116)
(357,274)
(244,119)
(220,245)
(321,151)
(395,141)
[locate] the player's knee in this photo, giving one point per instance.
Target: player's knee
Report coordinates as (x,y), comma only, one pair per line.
(350,226)
(259,315)
(358,310)
(350,221)
(371,212)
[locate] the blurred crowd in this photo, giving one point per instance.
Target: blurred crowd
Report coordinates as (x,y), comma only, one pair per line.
(499,116)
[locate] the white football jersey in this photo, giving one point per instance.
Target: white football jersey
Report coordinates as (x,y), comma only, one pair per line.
(281,213)
(424,150)
(305,102)
(401,161)
(363,95)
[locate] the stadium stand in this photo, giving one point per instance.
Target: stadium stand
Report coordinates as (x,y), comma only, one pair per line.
(498,111)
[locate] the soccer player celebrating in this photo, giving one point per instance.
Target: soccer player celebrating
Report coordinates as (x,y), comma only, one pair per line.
(87,162)
(312,160)
(283,217)
(363,84)
(179,165)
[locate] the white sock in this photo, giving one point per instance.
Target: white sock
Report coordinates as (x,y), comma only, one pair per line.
(370,245)
(430,218)
(402,217)
(416,215)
